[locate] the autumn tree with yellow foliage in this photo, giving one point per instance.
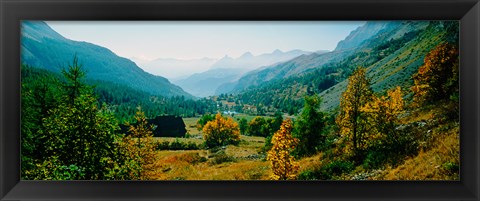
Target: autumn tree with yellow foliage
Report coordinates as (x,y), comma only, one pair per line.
(139,146)
(283,164)
(383,113)
(221,131)
(351,120)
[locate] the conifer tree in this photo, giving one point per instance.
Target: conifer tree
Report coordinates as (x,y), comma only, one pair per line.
(309,127)
(78,133)
(243,125)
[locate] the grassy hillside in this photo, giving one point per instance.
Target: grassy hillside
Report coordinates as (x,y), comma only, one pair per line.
(391,58)
(397,68)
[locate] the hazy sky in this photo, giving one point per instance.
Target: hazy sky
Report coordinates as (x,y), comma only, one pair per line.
(190,40)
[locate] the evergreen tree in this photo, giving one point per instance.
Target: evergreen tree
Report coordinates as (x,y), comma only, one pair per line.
(243,125)
(75,85)
(258,127)
(204,120)
(309,127)
(77,132)
(39,95)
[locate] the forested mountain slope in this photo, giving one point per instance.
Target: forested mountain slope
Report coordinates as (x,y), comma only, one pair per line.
(302,63)
(42,47)
(391,57)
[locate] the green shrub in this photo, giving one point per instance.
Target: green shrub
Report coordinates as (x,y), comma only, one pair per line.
(221,157)
(451,167)
(178,145)
(327,171)
(375,159)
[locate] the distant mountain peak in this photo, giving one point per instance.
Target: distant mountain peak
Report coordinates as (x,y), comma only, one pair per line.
(360,34)
(277,51)
(246,55)
(39,30)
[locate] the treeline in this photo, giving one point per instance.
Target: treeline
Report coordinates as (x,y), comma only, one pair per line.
(124,101)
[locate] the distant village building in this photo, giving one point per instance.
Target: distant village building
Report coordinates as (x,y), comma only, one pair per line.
(164,126)
(229,112)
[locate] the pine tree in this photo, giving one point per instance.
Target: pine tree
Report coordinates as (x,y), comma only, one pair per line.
(243,125)
(351,120)
(309,127)
(283,163)
(78,133)
(274,126)
(75,76)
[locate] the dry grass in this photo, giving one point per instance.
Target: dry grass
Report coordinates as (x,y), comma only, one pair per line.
(310,162)
(194,165)
(432,164)
(438,161)
(200,165)
(191,126)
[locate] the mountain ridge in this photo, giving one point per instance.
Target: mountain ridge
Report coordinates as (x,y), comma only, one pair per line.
(228,69)
(44,48)
(391,57)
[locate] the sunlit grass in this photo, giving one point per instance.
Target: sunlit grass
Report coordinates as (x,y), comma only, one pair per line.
(439,163)
(246,162)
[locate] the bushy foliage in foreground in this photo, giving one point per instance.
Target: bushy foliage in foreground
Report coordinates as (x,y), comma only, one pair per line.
(65,134)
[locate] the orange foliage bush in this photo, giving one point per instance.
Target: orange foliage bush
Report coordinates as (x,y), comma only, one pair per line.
(221,131)
(437,78)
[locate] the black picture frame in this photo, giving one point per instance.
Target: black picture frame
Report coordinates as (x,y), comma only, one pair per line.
(13,11)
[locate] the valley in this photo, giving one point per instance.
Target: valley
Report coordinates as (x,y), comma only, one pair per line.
(376,107)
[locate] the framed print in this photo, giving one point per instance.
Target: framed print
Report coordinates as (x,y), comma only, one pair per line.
(213,99)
